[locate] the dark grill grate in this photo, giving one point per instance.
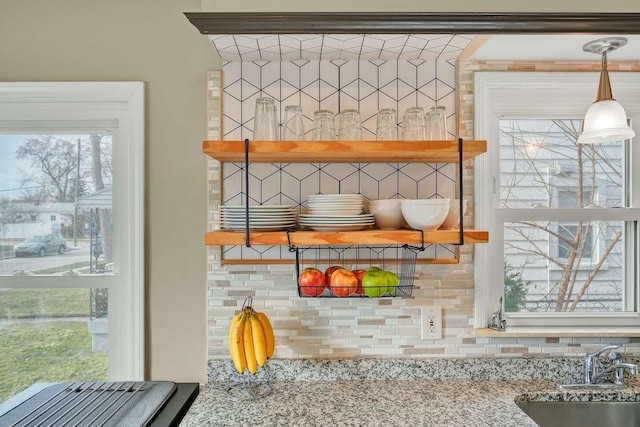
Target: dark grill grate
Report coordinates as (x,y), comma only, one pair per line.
(91,404)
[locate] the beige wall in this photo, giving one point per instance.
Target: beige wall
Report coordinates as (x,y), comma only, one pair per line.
(149,41)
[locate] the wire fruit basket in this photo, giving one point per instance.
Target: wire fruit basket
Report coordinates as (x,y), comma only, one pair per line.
(371,271)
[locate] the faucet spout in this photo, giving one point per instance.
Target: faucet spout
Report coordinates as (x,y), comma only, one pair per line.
(602,350)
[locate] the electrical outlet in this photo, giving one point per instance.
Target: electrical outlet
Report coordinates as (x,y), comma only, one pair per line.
(431,323)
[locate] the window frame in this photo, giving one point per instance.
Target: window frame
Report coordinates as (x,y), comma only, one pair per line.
(555,249)
(549,95)
(118,108)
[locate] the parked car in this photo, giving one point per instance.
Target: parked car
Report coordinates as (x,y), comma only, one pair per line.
(41,245)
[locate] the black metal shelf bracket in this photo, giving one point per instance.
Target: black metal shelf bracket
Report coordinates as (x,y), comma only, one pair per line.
(292,247)
(420,248)
(246,193)
(461,190)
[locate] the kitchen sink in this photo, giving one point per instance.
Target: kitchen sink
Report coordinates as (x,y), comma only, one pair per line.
(583,414)
(603,386)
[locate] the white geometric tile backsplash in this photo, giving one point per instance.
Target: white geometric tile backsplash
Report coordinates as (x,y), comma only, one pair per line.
(348,47)
(336,84)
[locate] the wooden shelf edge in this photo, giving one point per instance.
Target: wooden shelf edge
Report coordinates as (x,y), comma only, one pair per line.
(364,237)
(344,151)
(321,261)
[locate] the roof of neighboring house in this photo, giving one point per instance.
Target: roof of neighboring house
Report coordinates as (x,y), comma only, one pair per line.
(100,199)
(44,207)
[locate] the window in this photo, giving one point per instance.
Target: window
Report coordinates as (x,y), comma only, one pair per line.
(71,197)
(563,216)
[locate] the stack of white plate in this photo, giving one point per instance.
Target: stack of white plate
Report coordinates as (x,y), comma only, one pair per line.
(335,212)
(261,217)
(335,204)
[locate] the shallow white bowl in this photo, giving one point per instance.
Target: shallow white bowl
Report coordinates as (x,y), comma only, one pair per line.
(387,213)
(424,216)
(453,217)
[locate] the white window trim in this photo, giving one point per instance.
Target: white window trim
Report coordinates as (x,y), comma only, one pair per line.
(493,91)
(117,107)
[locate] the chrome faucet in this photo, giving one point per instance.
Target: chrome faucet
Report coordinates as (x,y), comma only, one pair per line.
(618,370)
(594,370)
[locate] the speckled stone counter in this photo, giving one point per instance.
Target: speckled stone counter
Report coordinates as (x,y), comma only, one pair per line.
(365,403)
(369,392)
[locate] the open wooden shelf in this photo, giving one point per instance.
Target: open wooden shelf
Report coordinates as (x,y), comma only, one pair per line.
(343,151)
(364,237)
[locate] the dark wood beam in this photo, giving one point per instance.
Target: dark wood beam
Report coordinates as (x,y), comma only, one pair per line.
(414,23)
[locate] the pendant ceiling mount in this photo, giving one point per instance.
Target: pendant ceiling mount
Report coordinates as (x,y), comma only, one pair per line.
(605,45)
(605,120)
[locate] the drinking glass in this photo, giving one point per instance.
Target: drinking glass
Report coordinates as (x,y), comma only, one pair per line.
(293,127)
(265,125)
(350,128)
(438,123)
(324,126)
(414,124)
(428,123)
(387,127)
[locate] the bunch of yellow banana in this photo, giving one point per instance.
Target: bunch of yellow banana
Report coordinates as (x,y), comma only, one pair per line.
(251,340)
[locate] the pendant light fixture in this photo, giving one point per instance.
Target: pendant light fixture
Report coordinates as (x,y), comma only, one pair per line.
(605,120)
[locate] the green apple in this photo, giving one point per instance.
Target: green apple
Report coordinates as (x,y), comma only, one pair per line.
(375,283)
(392,282)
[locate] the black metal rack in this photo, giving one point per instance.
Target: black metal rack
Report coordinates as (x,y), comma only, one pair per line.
(403,262)
(460,191)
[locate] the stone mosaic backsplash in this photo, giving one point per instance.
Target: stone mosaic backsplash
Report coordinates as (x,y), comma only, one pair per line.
(385,328)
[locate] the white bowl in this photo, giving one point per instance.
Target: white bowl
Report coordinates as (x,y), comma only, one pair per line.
(424,216)
(423,202)
(453,217)
(387,213)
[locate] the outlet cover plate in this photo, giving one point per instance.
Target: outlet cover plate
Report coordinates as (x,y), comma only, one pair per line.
(431,323)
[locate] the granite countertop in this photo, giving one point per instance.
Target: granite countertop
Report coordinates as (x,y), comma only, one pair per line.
(365,403)
(368,392)
(552,393)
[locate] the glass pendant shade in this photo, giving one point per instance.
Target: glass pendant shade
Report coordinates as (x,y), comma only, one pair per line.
(605,121)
